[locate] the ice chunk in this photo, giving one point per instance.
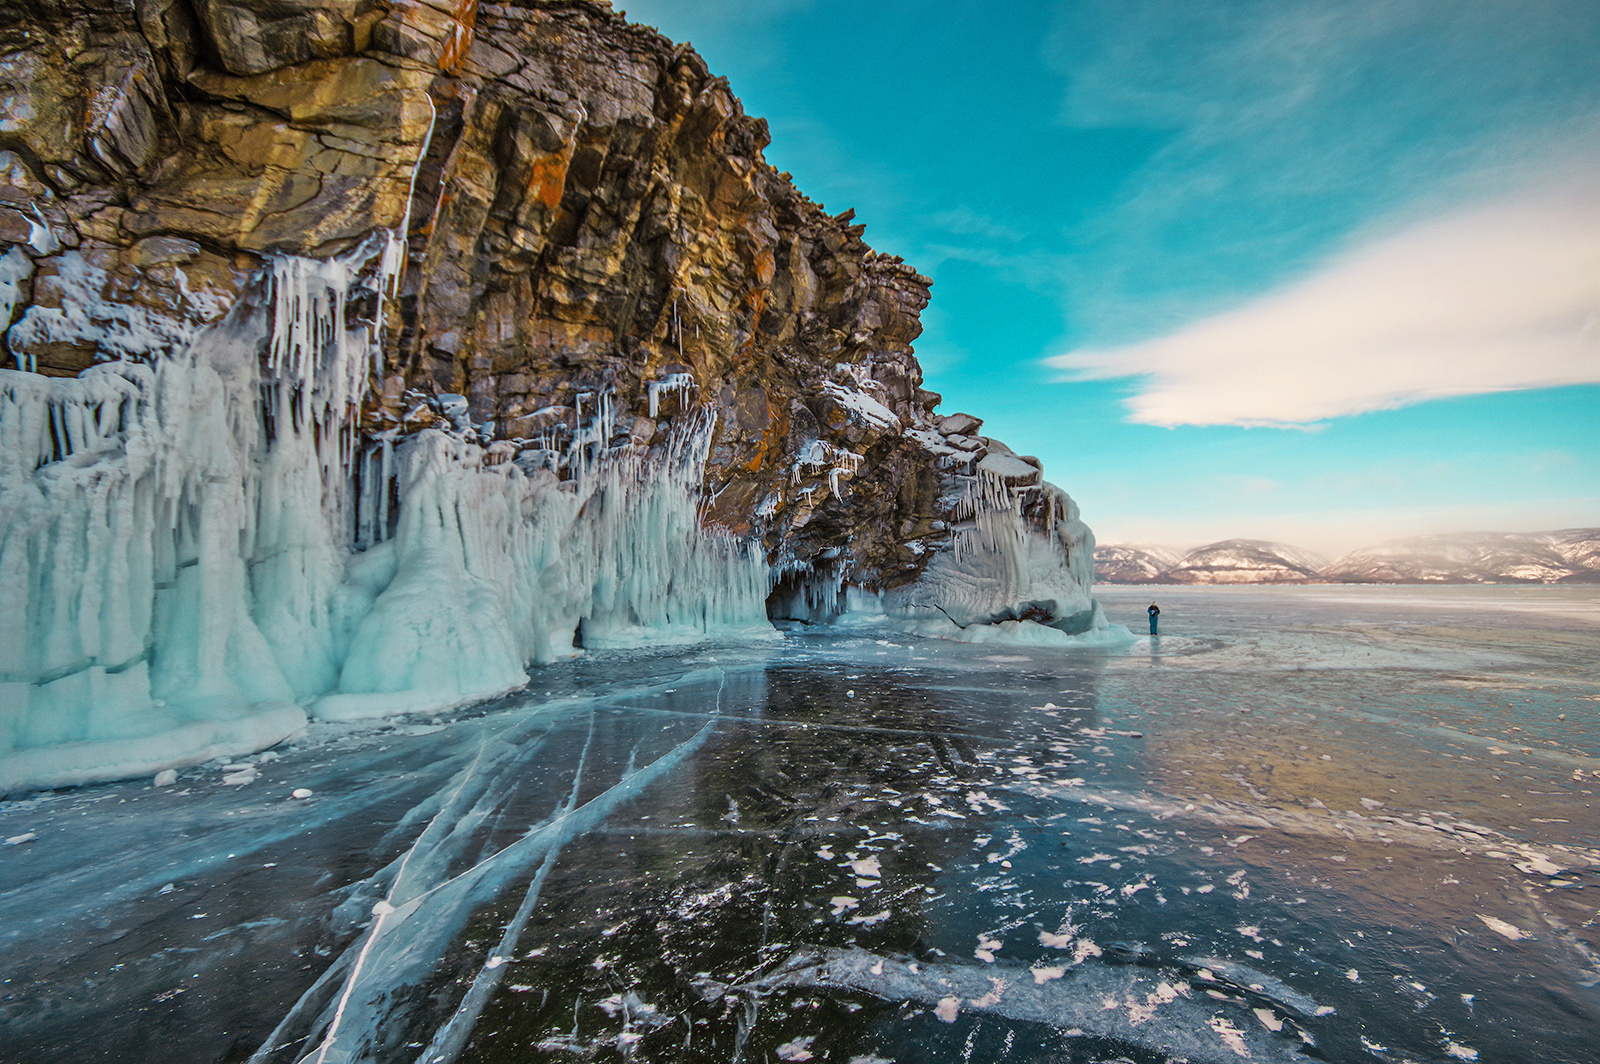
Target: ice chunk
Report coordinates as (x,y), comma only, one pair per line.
(798,1049)
(1502,928)
(867,867)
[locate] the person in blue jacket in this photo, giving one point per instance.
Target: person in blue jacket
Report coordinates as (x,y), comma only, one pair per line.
(1154,611)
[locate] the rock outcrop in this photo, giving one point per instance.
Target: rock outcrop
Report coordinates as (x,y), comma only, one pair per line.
(530,243)
(586,209)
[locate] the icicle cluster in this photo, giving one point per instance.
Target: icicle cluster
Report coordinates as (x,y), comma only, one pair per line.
(672,383)
(492,566)
(196,550)
(1001,563)
(126,532)
(822,456)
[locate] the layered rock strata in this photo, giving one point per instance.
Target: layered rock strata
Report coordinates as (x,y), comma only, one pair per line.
(533,233)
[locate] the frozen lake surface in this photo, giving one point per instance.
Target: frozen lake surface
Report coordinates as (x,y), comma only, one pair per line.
(1357,817)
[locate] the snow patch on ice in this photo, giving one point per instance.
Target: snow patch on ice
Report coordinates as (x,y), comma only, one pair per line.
(1502,928)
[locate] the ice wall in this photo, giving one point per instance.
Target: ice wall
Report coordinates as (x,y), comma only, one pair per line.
(492,566)
(198,550)
(1019,568)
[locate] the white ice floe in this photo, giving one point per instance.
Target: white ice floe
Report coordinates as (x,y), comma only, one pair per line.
(799,1049)
(1502,928)
(1123,1002)
(867,867)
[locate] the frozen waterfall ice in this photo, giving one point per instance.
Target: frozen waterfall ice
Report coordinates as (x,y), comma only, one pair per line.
(201,549)
(196,548)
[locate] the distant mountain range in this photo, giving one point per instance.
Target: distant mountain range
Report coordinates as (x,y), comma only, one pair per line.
(1569,556)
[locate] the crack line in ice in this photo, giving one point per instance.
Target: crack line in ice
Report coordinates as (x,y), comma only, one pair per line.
(403,942)
(452,1037)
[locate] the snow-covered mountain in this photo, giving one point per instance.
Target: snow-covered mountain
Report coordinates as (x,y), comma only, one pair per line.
(1247,561)
(1568,556)
(1134,563)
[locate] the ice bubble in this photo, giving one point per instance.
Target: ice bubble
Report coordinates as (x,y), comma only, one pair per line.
(301,792)
(18,840)
(165,778)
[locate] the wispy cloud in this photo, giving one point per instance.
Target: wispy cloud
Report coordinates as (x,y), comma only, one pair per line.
(964,221)
(1498,297)
(1291,125)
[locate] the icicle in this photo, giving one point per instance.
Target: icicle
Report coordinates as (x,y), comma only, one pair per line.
(672,383)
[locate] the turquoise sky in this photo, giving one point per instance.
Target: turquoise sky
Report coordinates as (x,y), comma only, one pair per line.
(1327,273)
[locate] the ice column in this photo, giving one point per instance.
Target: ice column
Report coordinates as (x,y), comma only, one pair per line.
(492,566)
(128,641)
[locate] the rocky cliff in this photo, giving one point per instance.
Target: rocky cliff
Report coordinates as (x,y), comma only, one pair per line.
(477,284)
(585,209)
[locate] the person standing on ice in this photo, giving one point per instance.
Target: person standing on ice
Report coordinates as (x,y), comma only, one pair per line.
(1154,611)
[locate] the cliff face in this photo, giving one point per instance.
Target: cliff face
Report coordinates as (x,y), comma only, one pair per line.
(456,260)
(585,209)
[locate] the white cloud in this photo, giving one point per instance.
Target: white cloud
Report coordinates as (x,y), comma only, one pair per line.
(1290,125)
(1501,296)
(964,221)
